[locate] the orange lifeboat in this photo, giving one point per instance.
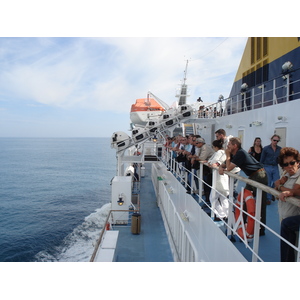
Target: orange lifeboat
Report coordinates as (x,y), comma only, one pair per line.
(145,109)
(146,104)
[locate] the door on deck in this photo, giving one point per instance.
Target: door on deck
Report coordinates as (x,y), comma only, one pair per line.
(281,131)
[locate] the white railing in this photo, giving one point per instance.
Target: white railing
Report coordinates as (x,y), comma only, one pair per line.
(187,225)
(175,222)
(111,224)
(181,243)
(278,90)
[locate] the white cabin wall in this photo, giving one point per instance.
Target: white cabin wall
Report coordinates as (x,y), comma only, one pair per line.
(270,122)
(207,131)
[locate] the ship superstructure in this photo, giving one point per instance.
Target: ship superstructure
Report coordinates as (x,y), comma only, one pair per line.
(264,100)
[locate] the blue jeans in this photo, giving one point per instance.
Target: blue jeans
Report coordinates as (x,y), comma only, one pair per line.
(273,175)
(194,171)
(289,230)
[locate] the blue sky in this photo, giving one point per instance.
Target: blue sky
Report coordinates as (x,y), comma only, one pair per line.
(84,87)
(77,86)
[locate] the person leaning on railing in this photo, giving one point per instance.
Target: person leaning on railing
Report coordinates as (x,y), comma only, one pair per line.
(204,154)
(221,135)
(289,186)
(219,200)
(251,167)
(288,159)
(289,228)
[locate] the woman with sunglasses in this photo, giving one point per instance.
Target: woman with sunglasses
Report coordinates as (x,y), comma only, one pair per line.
(288,185)
(288,159)
(268,158)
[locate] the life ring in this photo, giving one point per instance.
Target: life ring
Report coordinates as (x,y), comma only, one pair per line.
(249,223)
(107,226)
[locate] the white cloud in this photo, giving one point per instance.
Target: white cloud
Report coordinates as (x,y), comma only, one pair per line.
(110,73)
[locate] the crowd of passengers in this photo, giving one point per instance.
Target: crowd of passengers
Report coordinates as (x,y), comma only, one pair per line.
(258,163)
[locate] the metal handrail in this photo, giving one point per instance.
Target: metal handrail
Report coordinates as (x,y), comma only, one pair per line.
(243,102)
(103,230)
(100,238)
(265,188)
(260,187)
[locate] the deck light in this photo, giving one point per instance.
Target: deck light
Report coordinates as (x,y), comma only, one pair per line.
(244,87)
(120,201)
(281,118)
(286,67)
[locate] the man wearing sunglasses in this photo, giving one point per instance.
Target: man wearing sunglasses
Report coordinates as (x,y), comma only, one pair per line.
(269,157)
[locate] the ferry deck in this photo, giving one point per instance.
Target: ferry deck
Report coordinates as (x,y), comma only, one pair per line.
(151,244)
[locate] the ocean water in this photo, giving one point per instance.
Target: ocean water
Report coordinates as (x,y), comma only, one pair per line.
(54,197)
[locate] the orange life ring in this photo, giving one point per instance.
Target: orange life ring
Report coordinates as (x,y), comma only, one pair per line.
(249,224)
(107,226)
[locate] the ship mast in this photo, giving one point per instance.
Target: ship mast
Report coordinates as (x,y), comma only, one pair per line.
(183,89)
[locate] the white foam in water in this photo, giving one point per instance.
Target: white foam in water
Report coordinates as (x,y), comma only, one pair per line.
(78,246)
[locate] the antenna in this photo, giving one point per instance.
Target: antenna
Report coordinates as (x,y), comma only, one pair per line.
(185,71)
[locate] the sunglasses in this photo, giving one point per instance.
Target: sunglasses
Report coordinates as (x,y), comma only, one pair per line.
(290,163)
(275,140)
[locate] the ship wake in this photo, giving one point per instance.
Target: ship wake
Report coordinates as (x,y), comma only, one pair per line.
(78,246)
